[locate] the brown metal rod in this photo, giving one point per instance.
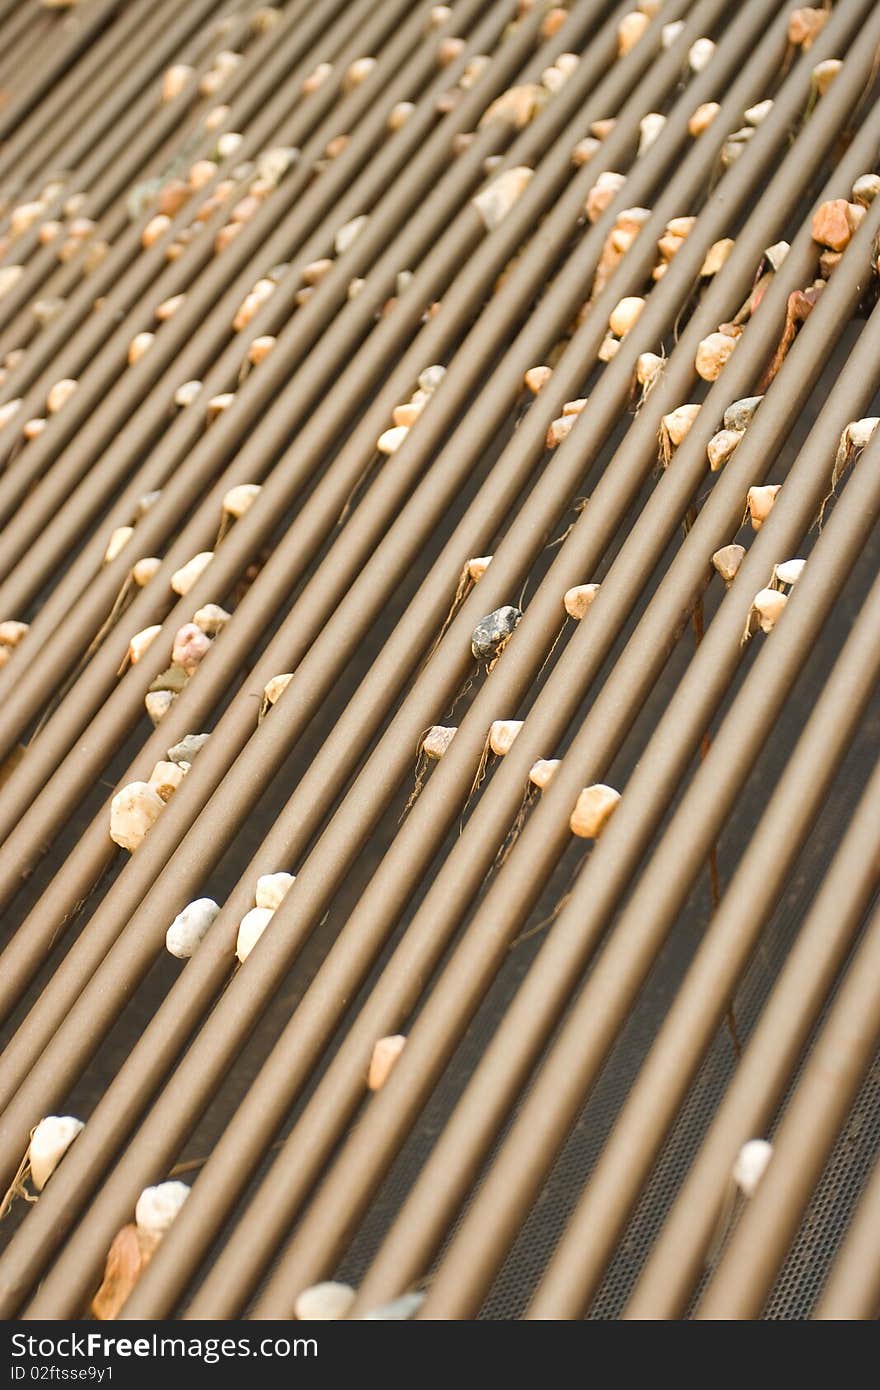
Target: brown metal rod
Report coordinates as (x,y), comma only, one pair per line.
(675,1262)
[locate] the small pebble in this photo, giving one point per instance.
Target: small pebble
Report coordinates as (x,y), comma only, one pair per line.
(670,32)
(493,631)
(768,605)
(739,415)
(712,354)
(347,234)
(648,365)
(138,346)
(790,571)
(166,777)
(251,928)
(133,811)
(385,1054)
(273,888)
(579,600)
(542,772)
(175,79)
(703,117)
(59,394)
(630,30)
(625,314)
(186,750)
(727,561)
(390,441)
(716,256)
(186,394)
(157,704)
(760,503)
(11,632)
(327,1302)
(240,498)
(118,540)
(593,809)
(498,197)
(502,733)
(701,54)
(141,641)
(182,580)
(751,1165)
(191,644)
(144,570)
(211,618)
(190,927)
(157,1206)
(437,740)
(536,377)
(721,446)
(678,422)
(50,1140)
(650,127)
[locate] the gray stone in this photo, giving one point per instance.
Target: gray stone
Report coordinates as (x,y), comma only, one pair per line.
(186,749)
(738,415)
(492,631)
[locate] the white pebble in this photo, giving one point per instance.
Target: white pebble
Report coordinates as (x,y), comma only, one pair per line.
(542,772)
(157,1207)
(273,888)
(750,1165)
(593,809)
(790,571)
(50,1141)
(141,641)
(578,600)
(347,233)
(190,927)
(250,929)
(327,1302)
(437,740)
(390,441)
(502,734)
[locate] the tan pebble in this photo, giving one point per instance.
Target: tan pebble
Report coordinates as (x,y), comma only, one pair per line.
(155,228)
(716,256)
(584,150)
(579,600)
(625,314)
(608,348)
(712,354)
(144,570)
(8,411)
(12,632)
(226,235)
(400,114)
(603,193)
(166,778)
(650,127)
(407,414)
(518,105)
(721,446)
(558,429)
(536,377)
(438,16)
(191,644)
(59,394)
(273,888)
(437,740)
(758,113)
(831,224)
(211,82)
(630,30)
(477,567)
(679,421)
(865,189)
(542,772)
(648,364)
(385,1053)
(245,209)
(141,641)
(825,73)
(760,503)
(48,232)
(138,346)
(241,498)
(502,733)
(553,22)
(216,117)
(593,810)
(317,77)
(32,428)
(182,580)
(703,117)
(175,79)
(211,618)
(727,561)
(260,348)
(357,72)
(575,407)
(315,271)
(133,811)
(172,197)
(390,441)
(805,24)
(449,49)
(217,404)
(169,307)
(24,216)
(229,143)
(118,540)
(201,173)
(273,691)
(498,197)
(157,703)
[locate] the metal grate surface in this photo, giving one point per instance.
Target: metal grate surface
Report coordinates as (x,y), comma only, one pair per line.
(463,416)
